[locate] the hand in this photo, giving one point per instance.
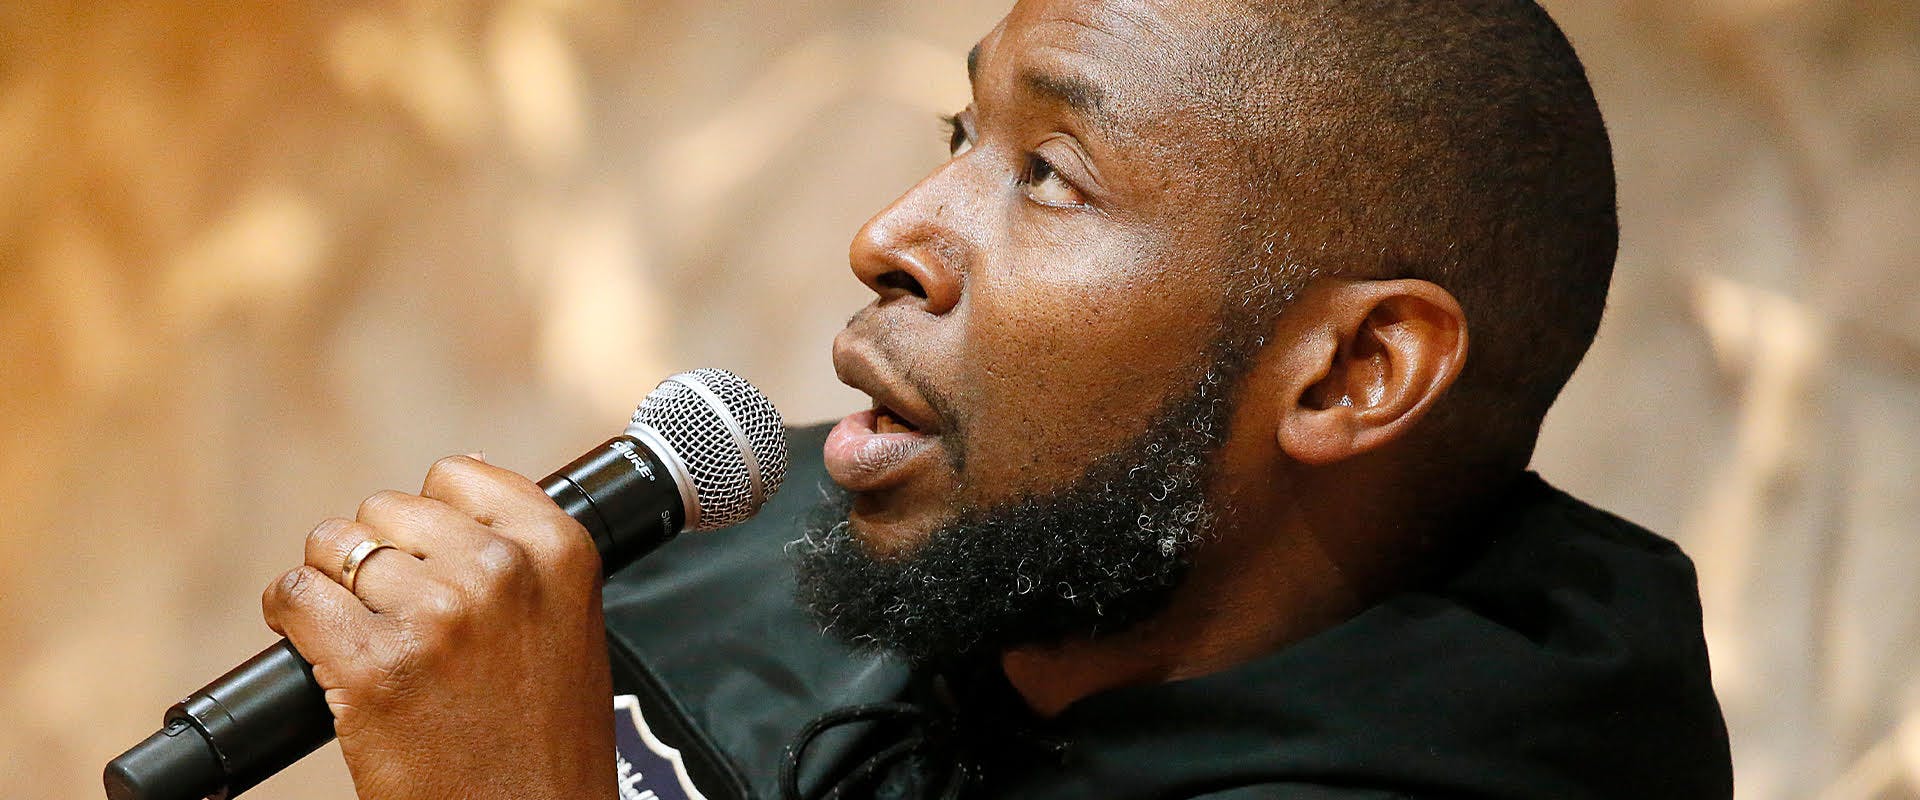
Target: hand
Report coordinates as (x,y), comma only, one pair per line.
(470,660)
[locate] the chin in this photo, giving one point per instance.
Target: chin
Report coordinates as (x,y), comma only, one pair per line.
(884,531)
(894,520)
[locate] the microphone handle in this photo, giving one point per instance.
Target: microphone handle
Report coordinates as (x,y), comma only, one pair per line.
(269,712)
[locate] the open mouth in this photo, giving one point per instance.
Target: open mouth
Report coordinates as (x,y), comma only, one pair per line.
(885,420)
(875,449)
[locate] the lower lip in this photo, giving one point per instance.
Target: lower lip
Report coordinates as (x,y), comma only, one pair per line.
(862,460)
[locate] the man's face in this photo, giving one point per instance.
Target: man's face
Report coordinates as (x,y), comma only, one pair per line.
(1051,288)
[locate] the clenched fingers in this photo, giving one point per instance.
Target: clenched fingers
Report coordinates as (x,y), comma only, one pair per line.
(385,576)
(516,509)
(325,622)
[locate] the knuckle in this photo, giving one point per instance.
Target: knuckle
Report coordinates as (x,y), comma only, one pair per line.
(329,540)
(381,502)
(440,622)
(575,551)
(503,560)
(523,487)
(448,471)
(326,535)
(440,607)
(327,532)
(564,543)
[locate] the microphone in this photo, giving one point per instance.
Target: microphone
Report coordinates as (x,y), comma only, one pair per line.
(704,450)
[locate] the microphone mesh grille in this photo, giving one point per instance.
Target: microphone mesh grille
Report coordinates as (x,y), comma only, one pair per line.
(706,441)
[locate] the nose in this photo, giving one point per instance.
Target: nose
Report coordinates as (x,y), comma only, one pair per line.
(911,250)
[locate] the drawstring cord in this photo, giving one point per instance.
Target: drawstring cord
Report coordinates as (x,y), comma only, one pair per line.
(936,729)
(873,765)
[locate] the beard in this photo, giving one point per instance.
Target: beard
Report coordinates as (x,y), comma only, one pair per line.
(1091,559)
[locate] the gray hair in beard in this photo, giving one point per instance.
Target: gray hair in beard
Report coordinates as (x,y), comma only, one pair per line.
(1094,558)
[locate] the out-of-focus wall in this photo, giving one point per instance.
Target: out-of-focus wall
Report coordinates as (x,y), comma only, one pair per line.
(259,260)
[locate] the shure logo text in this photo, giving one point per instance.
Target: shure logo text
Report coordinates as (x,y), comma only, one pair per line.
(640,465)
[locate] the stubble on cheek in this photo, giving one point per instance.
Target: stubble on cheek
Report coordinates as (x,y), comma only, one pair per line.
(1056,392)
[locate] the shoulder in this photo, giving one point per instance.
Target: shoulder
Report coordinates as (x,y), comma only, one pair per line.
(1546,550)
(1561,657)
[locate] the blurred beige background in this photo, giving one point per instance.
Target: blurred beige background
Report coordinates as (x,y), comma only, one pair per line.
(258,260)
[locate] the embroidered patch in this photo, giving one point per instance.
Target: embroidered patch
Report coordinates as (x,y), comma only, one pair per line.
(649,769)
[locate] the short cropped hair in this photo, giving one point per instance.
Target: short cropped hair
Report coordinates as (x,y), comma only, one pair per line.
(1455,141)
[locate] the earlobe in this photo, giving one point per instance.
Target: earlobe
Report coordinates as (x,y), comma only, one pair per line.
(1393,349)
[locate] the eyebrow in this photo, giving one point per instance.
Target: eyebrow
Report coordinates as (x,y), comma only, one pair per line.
(1075,92)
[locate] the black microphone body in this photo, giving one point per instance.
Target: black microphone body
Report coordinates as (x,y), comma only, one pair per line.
(270,712)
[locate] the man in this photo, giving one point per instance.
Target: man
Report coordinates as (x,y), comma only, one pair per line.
(1181,479)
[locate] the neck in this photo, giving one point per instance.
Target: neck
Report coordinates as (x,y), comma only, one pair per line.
(1276,573)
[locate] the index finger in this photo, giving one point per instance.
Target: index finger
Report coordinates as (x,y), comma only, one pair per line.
(493,495)
(514,507)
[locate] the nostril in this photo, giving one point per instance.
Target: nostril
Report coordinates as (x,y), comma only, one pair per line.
(901,281)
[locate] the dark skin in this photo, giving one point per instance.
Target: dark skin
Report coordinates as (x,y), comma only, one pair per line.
(1052,317)
(468,662)
(1038,297)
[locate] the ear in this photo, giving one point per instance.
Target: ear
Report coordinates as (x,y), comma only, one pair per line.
(1384,354)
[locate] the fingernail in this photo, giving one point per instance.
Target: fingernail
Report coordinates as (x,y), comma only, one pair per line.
(478,455)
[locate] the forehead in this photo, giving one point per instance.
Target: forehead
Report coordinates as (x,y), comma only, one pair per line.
(1134,50)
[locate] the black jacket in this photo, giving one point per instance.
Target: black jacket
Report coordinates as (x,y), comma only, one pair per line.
(1563,659)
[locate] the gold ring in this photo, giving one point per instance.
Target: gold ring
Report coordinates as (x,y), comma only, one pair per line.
(350,569)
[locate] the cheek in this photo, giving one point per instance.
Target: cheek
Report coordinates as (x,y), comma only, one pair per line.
(1069,351)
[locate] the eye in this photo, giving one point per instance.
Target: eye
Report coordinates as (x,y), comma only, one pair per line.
(1046,187)
(958,142)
